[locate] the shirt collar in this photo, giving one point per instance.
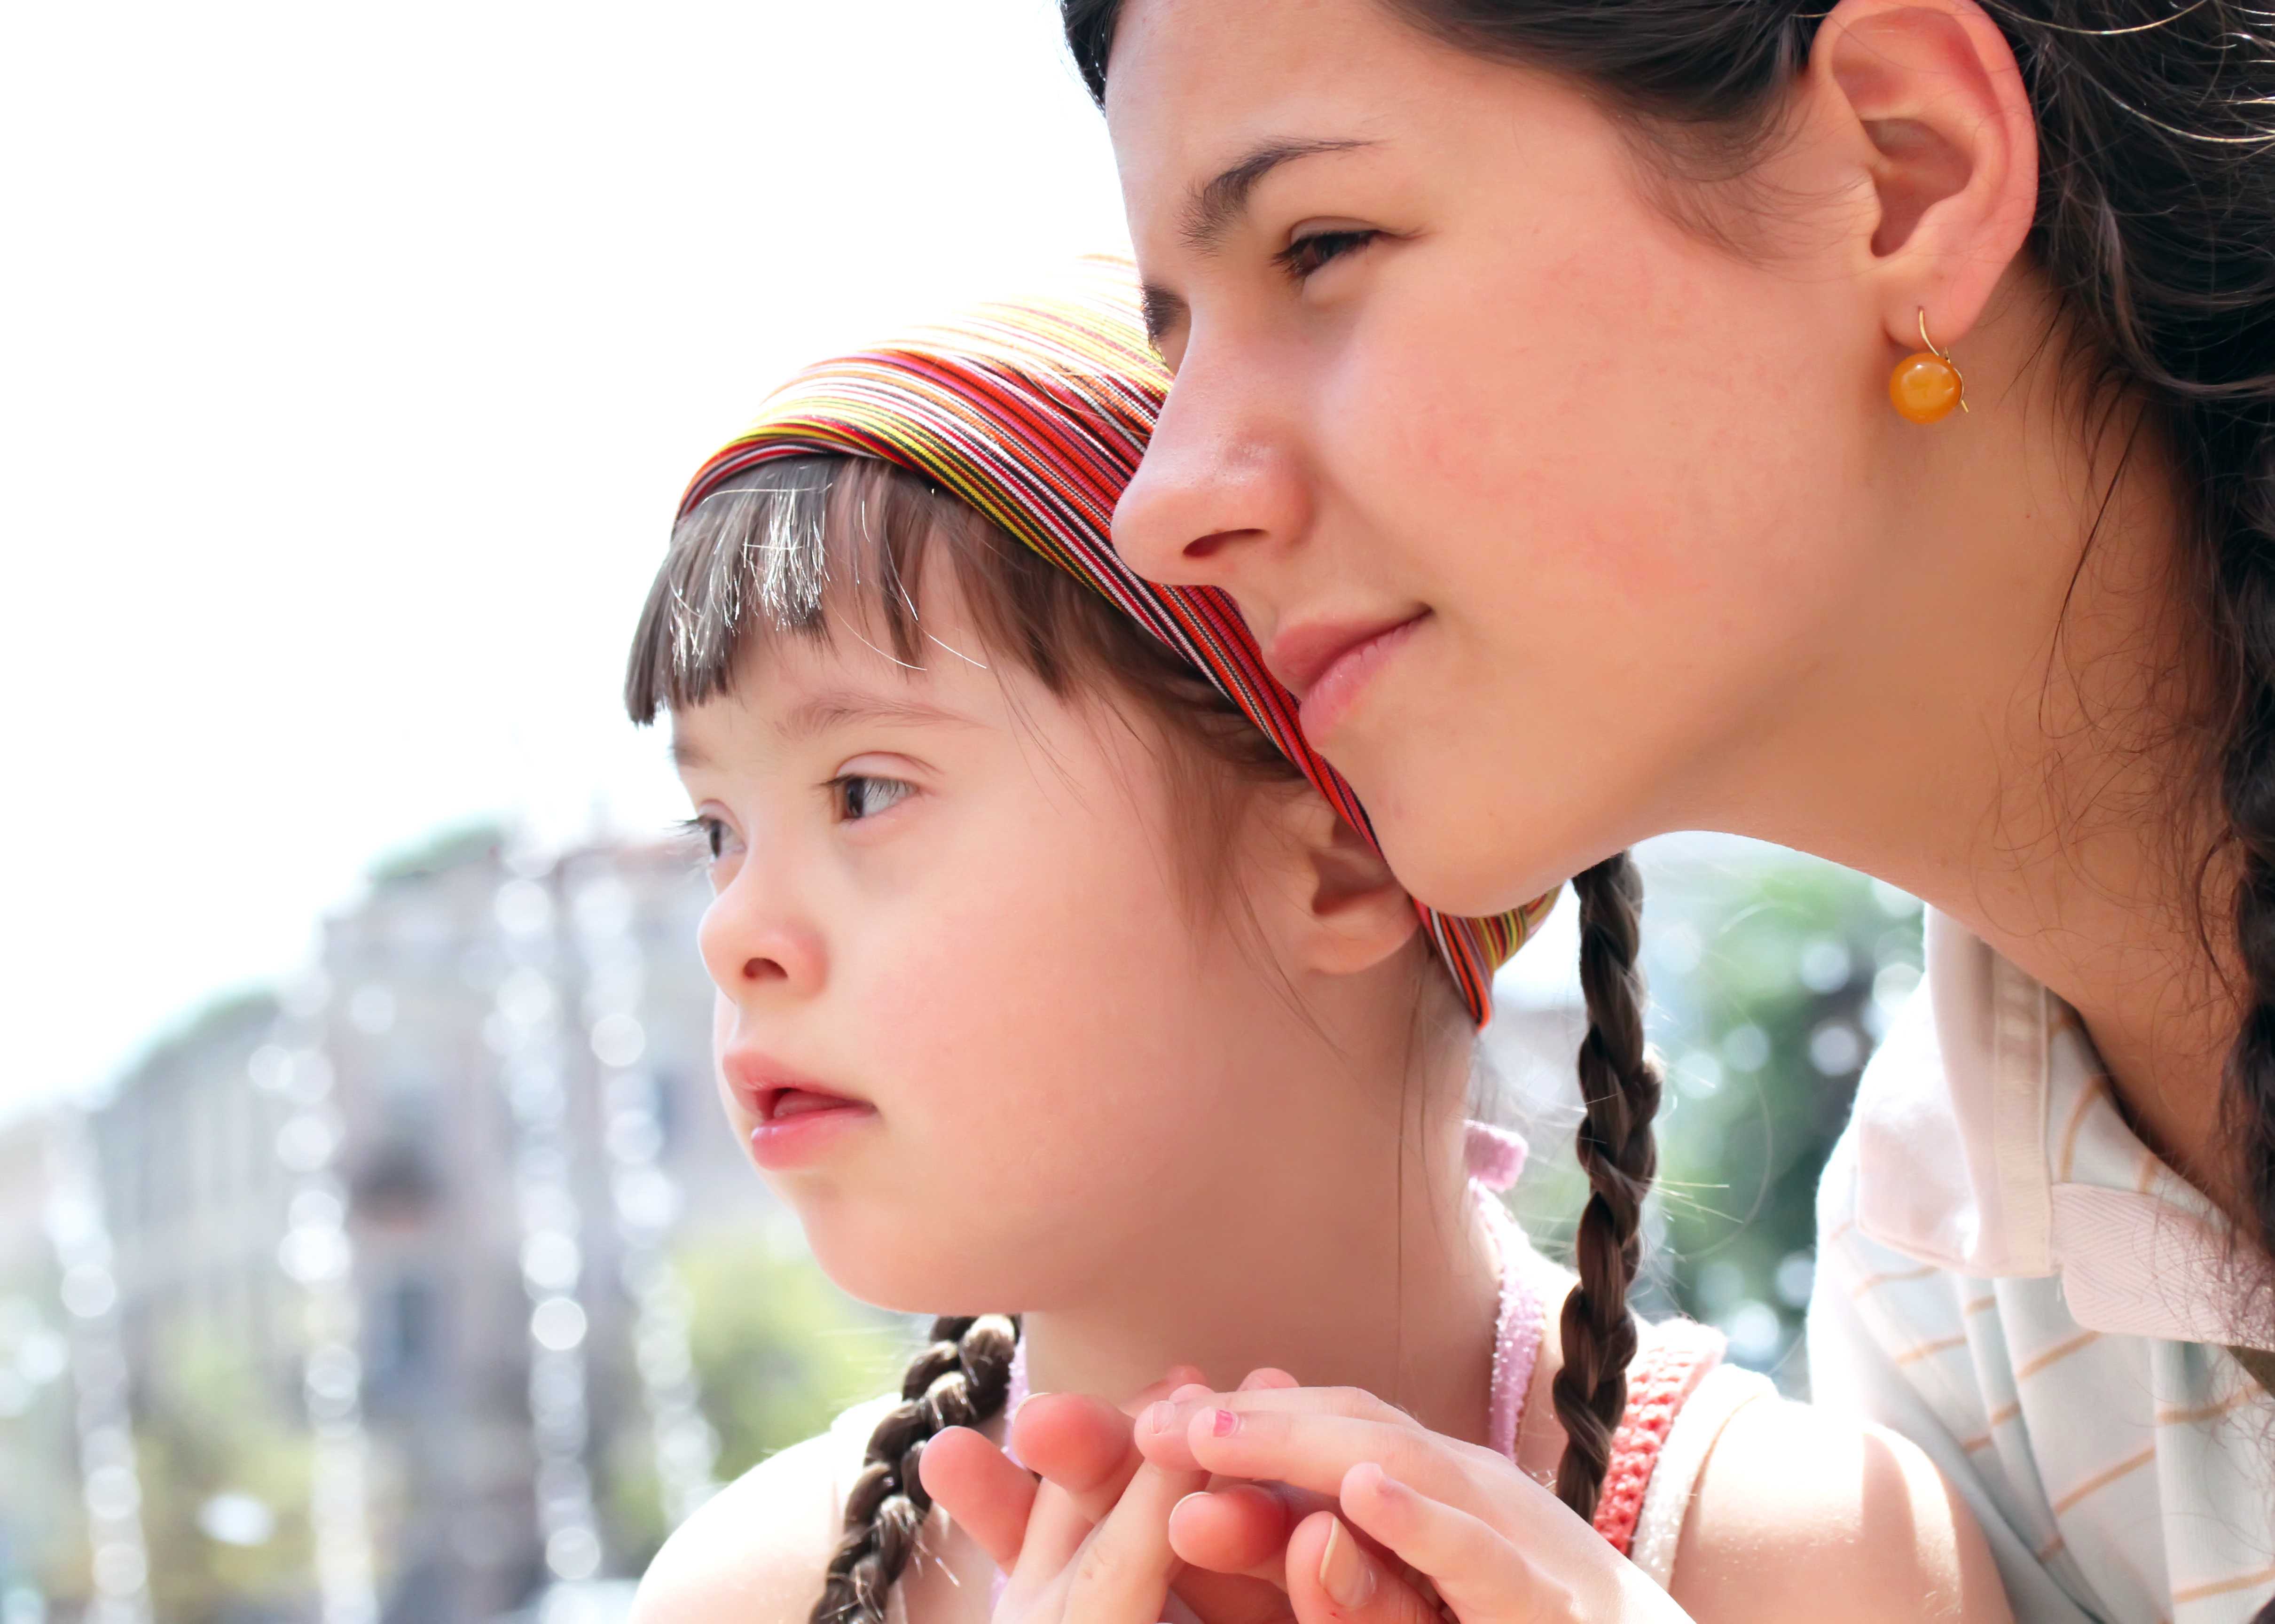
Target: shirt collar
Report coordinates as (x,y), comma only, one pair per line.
(1988,1143)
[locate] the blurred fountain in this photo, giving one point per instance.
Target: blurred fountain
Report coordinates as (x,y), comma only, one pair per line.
(317,1253)
(647,1200)
(111,1484)
(528,1029)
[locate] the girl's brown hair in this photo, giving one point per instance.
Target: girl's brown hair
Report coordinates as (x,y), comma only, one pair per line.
(824,547)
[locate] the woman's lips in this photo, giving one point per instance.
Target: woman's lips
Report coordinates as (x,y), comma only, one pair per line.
(1328,665)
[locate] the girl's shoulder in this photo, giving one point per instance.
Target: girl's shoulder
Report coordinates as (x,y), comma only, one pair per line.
(755,1553)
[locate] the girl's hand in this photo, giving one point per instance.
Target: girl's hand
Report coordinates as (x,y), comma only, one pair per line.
(1497,1546)
(1081,1444)
(1115,1570)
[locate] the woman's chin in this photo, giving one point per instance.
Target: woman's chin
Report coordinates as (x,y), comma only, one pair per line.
(1460,871)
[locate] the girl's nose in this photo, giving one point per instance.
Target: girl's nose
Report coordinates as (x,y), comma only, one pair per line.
(757,944)
(1218,493)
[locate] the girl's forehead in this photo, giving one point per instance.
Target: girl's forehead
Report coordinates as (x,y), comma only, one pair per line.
(799,687)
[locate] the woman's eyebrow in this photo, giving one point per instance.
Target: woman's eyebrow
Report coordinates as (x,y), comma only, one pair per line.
(1215,206)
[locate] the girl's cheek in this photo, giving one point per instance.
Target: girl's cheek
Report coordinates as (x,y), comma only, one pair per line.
(722,1032)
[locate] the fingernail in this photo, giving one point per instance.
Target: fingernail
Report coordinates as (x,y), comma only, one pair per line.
(1346,1572)
(1158,1416)
(1223,1422)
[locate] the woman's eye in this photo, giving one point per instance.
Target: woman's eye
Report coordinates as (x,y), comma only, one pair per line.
(859,795)
(1307,255)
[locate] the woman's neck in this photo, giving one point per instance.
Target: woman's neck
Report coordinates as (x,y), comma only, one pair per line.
(1363,1264)
(2015,733)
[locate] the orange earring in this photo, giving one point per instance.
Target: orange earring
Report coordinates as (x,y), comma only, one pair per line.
(1925,386)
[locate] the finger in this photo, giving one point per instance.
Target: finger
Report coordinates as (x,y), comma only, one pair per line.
(1179,1376)
(1055,1531)
(1482,1575)
(1123,1570)
(1224,1599)
(1079,1443)
(1265,1376)
(986,1495)
(1239,1528)
(1314,1451)
(1161,1428)
(1333,1578)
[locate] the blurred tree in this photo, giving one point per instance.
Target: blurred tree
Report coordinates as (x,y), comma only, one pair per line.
(1772,977)
(778,1350)
(224,1469)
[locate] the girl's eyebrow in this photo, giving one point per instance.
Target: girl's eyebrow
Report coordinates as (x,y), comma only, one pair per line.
(826,711)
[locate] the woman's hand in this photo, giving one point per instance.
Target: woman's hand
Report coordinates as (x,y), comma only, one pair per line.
(1497,1547)
(1247,1567)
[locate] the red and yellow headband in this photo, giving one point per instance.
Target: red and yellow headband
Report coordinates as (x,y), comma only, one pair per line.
(1036,413)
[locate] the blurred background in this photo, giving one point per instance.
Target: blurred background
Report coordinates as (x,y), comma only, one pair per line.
(370,1249)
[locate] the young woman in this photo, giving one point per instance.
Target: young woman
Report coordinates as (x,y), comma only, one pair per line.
(1059,979)
(1852,427)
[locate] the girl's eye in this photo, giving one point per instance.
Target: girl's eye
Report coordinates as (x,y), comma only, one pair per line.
(1307,255)
(708,835)
(857,796)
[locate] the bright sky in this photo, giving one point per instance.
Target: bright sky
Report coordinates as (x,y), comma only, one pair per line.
(352,358)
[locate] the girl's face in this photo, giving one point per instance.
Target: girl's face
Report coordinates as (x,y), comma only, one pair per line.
(1546,504)
(965,1018)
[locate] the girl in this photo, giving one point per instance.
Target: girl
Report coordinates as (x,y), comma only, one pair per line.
(1057,976)
(1850,425)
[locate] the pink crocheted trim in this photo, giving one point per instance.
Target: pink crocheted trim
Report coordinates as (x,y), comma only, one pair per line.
(1494,1156)
(1674,1359)
(1516,1331)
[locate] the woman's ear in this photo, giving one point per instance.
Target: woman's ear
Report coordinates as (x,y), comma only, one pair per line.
(1938,118)
(1347,912)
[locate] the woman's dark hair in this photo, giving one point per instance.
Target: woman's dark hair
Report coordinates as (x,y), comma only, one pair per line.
(2155,228)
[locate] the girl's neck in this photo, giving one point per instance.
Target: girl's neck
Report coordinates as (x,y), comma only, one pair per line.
(1376,1274)
(2014,735)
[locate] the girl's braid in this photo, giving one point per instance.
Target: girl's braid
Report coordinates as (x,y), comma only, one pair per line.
(1620,1082)
(960,1380)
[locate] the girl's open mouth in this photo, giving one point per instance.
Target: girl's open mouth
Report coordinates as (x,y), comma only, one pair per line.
(797,1125)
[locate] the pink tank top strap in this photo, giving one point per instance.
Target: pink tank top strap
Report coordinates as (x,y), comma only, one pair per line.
(1675,1358)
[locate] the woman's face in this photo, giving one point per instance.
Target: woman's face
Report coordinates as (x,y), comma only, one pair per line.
(1544,502)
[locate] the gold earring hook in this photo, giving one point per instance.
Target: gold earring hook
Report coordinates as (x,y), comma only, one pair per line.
(1944,357)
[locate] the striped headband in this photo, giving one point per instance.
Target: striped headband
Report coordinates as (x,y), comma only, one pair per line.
(1036,413)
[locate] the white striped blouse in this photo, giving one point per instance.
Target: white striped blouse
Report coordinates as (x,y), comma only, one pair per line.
(2009,1277)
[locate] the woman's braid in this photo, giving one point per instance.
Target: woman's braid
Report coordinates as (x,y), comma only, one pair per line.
(1620,1083)
(960,1380)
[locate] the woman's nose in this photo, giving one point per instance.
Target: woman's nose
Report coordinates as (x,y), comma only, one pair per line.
(1218,492)
(757,944)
